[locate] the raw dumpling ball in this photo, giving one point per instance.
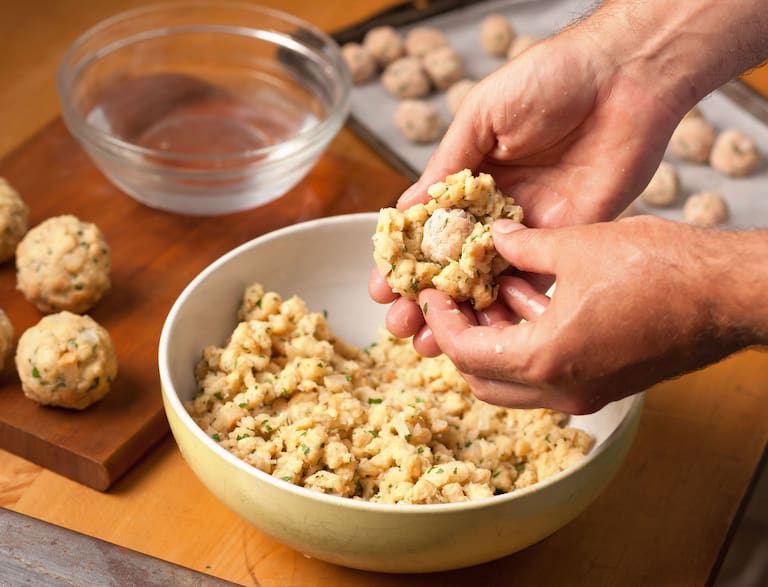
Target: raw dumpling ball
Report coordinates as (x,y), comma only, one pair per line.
(361,65)
(384,44)
(734,153)
(6,337)
(455,95)
(663,188)
(422,40)
(406,78)
(496,34)
(520,44)
(693,139)
(705,209)
(444,67)
(419,121)
(63,264)
(14,216)
(66,360)
(446,242)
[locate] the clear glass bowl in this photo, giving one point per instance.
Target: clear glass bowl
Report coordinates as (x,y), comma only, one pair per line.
(204,107)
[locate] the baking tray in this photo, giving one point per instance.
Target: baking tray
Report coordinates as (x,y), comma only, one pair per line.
(372,107)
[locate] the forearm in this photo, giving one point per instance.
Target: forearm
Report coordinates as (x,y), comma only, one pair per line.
(738,278)
(682,50)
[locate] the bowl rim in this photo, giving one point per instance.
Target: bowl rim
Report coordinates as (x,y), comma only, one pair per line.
(332,64)
(633,411)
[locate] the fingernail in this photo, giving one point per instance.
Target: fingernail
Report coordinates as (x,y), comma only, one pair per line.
(506,226)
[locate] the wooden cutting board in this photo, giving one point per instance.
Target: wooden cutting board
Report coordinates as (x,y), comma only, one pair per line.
(154,255)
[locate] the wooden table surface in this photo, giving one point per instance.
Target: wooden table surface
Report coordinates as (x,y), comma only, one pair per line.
(665,519)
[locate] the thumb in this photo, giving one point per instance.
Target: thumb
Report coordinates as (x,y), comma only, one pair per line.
(528,249)
(460,148)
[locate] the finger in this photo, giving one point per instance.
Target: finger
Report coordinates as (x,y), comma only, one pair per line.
(460,148)
(495,315)
(522,298)
(378,288)
(425,344)
(506,393)
(528,249)
(486,351)
(404,318)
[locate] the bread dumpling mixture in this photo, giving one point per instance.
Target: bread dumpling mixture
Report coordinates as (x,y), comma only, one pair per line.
(14,216)
(446,243)
(382,423)
(6,337)
(66,360)
(63,264)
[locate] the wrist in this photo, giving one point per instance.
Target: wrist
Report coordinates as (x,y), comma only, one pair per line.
(736,277)
(682,51)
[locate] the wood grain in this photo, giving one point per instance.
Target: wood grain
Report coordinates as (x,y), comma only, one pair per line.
(154,255)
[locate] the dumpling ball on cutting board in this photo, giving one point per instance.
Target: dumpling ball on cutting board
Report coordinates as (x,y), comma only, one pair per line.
(6,337)
(66,360)
(63,263)
(13,220)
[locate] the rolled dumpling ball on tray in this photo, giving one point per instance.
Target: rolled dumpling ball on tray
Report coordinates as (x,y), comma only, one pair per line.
(663,188)
(735,153)
(706,209)
(444,67)
(361,65)
(418,120)
(384,44)
(14,216)
(6,337)
(455,95)
(693,139)
(66,360)
(496,34)
(421,40)
(63,263)
(406,78)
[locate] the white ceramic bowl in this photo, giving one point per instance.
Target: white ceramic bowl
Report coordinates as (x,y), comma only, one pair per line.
(327,262)
(203,106)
